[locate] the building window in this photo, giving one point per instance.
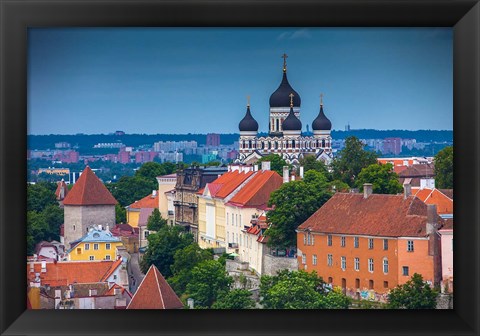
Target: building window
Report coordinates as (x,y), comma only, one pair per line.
(79,251)
(146,234)
(410,245)
(227,217)
(343,241)
(385,284)
(370,265)
(370,284)
(107,246)
(314,259)
(405,270)
(87,246)
(329,260)
(107,257)
(329,240)
(355,242)
(385,244)
(304,259)
(330,280)
(357,264)
(357,283)
(91,258)
(74,227)
(344,263)
(95,246)
(240,220)
(370,243)
(304,239)
(385,265)
(114,277)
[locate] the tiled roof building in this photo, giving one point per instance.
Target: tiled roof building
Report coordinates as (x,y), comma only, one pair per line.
(154,293)
(368,243)
(89,203)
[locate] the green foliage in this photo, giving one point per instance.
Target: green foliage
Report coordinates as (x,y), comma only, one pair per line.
(382,177)
(150,171)
(209,282)
(184,262)
(414,294)
(351,160)
(162,247)
(339,186)
(276,163)
(120,214)
(310,163)
(444,168)
(40,195)
(299,290)
(129,189)
(156,221)
(235,299)
(294,202)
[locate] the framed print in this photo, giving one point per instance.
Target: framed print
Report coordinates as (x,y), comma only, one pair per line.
(462,17)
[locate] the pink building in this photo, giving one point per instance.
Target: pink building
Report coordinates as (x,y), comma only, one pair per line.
(123,156)
(446,234)
(144,156)
(392,146)
(213,139)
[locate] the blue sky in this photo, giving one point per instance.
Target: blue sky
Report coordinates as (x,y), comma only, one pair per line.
(195,80)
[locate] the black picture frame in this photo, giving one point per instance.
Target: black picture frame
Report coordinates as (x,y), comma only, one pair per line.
(17,16)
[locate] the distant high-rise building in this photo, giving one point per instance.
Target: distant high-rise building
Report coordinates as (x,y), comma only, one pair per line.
(392,146)
(213,139)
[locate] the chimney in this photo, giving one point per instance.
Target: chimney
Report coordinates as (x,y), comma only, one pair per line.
(367,190)
(190,303)
(100,227)
(407,191)
(301,172)
(44,266)
(285,174)
(107,228)
(255,168)
(154,193)
(266,165)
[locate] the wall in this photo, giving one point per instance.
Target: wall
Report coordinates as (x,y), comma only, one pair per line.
(133,216)
(417,261)
(271,264)
(99,254)
(164,185)
(447,258)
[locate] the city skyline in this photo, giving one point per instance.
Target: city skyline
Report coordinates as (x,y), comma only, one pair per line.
(179,80)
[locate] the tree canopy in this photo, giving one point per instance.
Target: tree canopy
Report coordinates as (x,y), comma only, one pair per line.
(235,299)
(414,294)
(162,247)
(156,221)
(299,290)
(293,203)
(40,195)
(309,162)
(276,162)
(382,177)
(444,168)
(208,283)
(351,160)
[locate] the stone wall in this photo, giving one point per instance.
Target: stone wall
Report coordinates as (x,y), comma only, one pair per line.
(271,264)
(445,301)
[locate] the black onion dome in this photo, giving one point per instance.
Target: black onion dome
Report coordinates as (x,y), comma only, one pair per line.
(280,98)
(248,124)
(321,122)
(292,123)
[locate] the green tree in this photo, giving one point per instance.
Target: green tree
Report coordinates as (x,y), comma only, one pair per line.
(444,168)
(414,294)
(351,160)
(276,162)
(184,262)
(129,189)
(309,162)
(235,299)
(156,221)
(151,170)
(40,195)
(162,247)
(53,216)
(299,290)
(293,203)
(382,177)
(120,214)
(209,282)
(339,186)
(37,226)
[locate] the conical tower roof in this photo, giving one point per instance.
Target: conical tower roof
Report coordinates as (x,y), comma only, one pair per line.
(89,190)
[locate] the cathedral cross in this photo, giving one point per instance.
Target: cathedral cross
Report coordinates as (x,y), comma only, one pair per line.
(291,99)
(284,56)
(321,98)
(248,100)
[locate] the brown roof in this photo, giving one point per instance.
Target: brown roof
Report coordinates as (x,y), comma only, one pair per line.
(418,170)
(377,215)
(89,190)
(154,293)
(448,224)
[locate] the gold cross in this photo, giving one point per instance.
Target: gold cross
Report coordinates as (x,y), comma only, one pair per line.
(291,99)
(321,98)
(248,100)
(284,56)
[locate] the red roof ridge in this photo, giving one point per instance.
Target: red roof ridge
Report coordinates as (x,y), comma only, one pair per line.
(112,269)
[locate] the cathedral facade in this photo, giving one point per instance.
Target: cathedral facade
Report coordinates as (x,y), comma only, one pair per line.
(285,130)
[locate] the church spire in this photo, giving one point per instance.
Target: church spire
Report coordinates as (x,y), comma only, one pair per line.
(284,56)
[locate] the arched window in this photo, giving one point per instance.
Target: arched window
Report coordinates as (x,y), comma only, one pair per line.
(277,123)
(323,143)
(249,143)
(276,143)
(293,143)
(263,145)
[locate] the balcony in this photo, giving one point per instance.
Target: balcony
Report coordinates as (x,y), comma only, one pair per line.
(192,205)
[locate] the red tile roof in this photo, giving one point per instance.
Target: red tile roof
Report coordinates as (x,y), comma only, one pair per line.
(434,196)
(448,224)
(150,201)
(227,183)
(258,189)
(154,293)
(111,291)
(418,170)
(89,190)
(67,272)
(377,215)
(112,269)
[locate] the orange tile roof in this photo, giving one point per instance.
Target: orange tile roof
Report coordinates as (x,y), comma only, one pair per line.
(154,293)
(227,183)
(149,201)
(111,291)
(89,190)
(434,196)
(377,215)
(257,191)
(63,273)
(112,269)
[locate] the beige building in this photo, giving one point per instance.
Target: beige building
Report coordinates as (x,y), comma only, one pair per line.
(166,187)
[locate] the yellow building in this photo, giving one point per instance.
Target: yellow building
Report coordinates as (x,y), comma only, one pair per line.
(149,202)
(97,244)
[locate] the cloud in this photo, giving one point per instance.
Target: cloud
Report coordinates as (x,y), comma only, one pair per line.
(295,35)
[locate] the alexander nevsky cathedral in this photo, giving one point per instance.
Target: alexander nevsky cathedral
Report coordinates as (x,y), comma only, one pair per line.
(285,130)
